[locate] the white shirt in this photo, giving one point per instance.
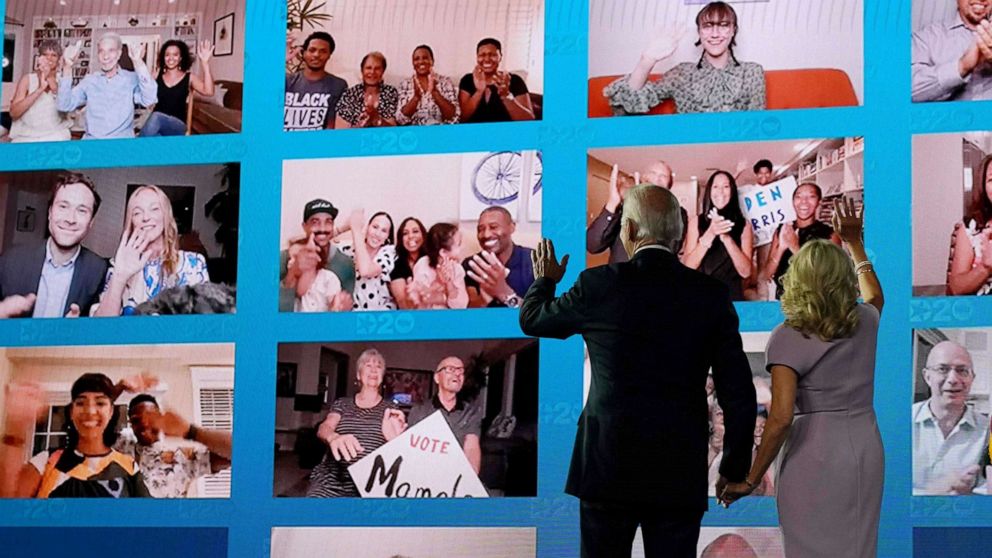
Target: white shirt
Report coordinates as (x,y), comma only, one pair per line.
(936,458)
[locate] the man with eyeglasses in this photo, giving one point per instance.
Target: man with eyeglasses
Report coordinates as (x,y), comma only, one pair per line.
(950,438)
(464,419)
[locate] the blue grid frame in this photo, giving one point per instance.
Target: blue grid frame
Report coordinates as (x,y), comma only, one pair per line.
(887,119)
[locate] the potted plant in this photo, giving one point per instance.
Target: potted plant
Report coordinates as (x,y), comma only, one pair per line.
(301,14)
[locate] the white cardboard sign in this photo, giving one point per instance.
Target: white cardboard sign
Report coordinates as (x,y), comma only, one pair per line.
(425,461)
(766,207)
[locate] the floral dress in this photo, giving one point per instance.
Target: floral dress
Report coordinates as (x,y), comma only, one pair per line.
(192,270)
(427,110)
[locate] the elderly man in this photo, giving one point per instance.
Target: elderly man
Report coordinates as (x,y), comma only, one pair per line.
(604,231)
(951,58)
(109,94)
(465,420)
(654,328)
(950,438)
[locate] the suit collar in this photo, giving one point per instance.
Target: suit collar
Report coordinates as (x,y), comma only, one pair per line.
(654,255)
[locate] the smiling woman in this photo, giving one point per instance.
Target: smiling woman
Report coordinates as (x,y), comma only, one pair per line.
(87,467)
(718,82)
(148,259)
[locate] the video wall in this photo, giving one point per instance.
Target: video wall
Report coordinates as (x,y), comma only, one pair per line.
(339,200)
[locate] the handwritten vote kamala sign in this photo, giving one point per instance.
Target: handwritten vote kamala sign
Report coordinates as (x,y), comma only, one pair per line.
(425,461)
(766,207)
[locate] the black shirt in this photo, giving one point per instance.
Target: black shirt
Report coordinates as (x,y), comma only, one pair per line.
(493,109)
(172,100)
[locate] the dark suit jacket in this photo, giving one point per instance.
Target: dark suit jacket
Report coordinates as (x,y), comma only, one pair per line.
(604,234)
(20,272)
(654,329)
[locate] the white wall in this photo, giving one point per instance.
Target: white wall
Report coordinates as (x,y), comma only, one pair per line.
(938,188)
(423,186)
(779,34)
(451,27)
(926,12)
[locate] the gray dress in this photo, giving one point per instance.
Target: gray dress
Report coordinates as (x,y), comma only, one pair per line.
(832,469)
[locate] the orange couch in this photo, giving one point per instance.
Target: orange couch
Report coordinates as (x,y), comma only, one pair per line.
(784,89)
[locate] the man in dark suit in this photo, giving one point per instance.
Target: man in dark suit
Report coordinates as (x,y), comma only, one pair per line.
(57,277)
(654,328)
(603,233)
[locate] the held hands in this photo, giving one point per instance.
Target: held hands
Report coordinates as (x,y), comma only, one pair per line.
(980,50)
(204,50)
(663,46)
(963,482)
(346,447)
(546,263)
(848,222)
(730,492)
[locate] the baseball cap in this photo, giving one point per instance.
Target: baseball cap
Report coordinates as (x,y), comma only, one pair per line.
(319,206)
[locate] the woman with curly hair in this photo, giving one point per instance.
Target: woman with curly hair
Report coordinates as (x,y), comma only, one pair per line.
(822,361)
(148,259)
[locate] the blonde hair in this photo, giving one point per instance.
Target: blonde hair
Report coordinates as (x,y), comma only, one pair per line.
(821,291)
(170,243)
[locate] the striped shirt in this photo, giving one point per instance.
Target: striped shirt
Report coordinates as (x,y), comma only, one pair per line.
(330,479)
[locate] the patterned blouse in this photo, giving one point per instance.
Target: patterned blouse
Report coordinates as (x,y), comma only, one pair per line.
(373,293)
(695,87)
(192,271)
(427,110)
(169,466)
(351,106)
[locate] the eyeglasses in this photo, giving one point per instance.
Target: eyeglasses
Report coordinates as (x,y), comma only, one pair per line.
(943,370)
(453,370)
(721,27)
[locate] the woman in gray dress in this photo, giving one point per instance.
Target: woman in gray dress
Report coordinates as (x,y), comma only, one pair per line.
(822,361)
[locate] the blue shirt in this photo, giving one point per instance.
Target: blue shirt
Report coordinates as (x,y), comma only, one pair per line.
(937,48)
(520,277)
(109,101)
(53,287)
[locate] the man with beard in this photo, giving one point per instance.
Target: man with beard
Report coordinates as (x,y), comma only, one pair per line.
(464,419)
(502,272)
(57,277)
(791,236)
(950,437)
(318,223)
(312,94)
(951,58)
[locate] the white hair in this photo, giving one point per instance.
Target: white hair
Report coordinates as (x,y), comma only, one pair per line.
(656,212)
(111,36)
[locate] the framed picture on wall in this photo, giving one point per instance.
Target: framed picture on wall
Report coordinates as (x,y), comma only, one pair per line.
(26,220)
(224,35)
(408,386)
